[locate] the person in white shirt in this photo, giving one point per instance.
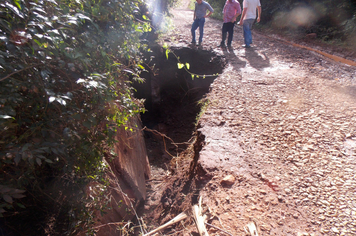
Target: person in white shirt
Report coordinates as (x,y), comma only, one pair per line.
(248,17)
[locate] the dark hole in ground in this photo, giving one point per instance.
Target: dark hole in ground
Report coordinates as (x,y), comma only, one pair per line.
(173,102)
(172,99)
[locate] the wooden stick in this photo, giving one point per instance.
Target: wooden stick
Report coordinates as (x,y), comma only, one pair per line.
(252,229)
(176,219)
(199,219)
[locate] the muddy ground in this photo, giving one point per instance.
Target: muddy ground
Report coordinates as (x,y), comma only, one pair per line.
(278,122)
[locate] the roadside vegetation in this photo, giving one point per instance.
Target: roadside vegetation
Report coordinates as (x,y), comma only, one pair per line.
(64,91)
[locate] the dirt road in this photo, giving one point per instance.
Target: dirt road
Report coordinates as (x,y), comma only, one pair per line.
(281,121)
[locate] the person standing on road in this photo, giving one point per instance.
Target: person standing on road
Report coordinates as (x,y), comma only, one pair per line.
(248,18)
(201,7)
(231,11)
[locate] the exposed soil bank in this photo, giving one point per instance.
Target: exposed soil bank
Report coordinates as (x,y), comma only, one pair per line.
(281,122)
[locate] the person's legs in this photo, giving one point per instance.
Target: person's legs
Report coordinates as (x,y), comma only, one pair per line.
(247,25)
(201,29)
(250,21)
(195,25)
(230,29)
(224,32)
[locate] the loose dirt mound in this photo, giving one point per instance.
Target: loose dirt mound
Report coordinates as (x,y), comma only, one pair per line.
(281,122)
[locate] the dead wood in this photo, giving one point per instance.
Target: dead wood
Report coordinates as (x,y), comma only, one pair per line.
(200,219)
(176,219)
(252,229)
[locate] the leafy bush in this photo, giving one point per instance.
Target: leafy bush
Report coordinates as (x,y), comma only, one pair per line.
(64,67)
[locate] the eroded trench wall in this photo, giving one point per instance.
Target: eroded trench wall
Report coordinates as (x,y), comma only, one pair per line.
(131,168)
(127,177)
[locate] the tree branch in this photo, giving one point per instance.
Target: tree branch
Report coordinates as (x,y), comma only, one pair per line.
(15,72)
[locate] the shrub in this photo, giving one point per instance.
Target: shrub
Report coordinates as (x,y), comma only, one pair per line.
(64,67)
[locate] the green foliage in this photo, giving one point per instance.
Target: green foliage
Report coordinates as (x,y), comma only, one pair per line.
(64,67)
(185,66)
(218,6)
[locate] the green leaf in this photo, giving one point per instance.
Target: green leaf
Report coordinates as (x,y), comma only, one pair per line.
(18,195)
(192,76)
(26,146)
(17,159)
(187,65)
(38,42)
(15,10)
(7,198)
(17,3)
(167,51)
(82,17)
(5,117)
(180,65)
(87,124)
(144,17)
(77,116)
(20,205)
(39,162)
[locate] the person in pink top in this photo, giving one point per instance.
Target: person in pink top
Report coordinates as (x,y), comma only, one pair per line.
(231,11)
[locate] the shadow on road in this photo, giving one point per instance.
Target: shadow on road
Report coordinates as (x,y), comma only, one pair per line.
(233,59)
(256,60)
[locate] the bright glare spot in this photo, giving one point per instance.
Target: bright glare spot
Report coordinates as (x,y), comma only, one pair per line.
(302,16)
(88,83)
(276,68)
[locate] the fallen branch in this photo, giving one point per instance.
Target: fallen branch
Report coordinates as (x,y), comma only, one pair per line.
(176,219)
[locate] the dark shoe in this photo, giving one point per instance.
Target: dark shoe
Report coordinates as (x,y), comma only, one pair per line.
(229,45)
(246,46)
(199,44)
(222,45)
(193,42)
